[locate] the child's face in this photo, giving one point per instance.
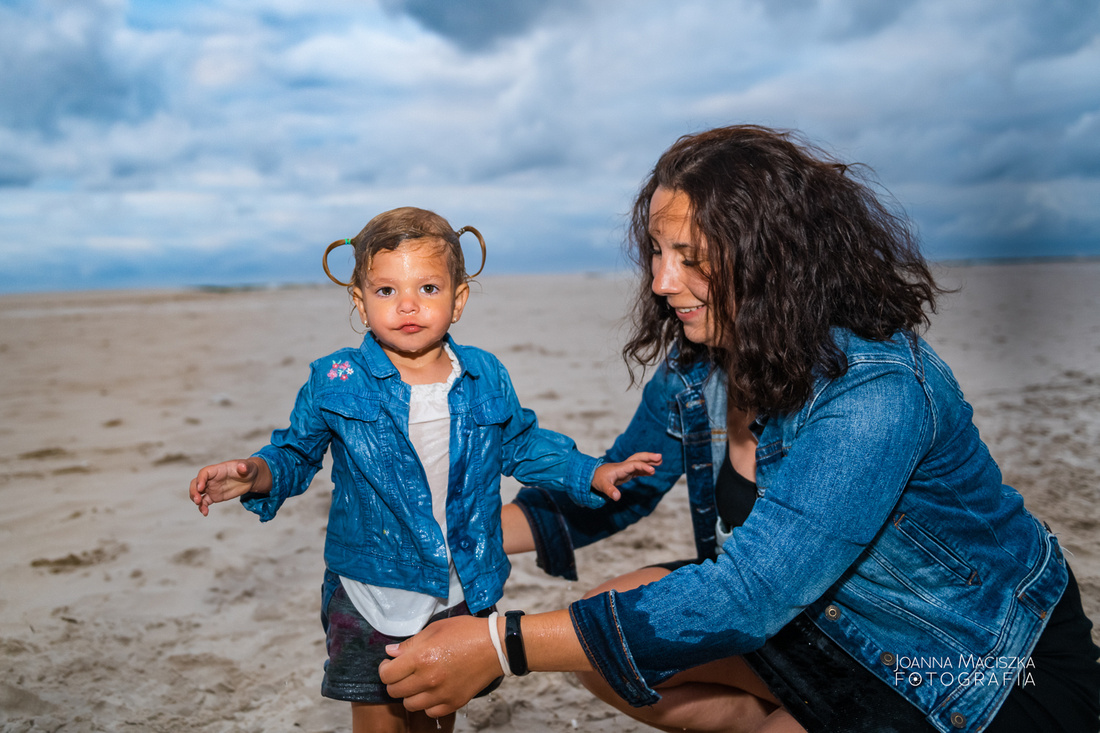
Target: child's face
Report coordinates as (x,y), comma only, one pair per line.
(408,298)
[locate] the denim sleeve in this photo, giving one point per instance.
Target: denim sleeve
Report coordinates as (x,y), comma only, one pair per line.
(612,659)
(534,455)
(294,456)
(845,468)
(559,527)
(553,545)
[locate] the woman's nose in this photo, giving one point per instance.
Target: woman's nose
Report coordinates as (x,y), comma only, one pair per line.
(665,280)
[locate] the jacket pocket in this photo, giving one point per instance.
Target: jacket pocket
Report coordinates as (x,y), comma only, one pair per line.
(936,550)
(490,410)
(355,407)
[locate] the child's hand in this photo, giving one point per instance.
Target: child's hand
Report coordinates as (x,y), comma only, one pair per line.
(610,475)
(228,480)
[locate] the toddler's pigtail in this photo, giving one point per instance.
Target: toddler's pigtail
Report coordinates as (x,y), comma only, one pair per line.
(324,261)
(480,240)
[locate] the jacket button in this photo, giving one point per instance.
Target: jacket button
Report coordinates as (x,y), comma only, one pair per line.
(832,612)
(958,720)
(888,659)
(464,544)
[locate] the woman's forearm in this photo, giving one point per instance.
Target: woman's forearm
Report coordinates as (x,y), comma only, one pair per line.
(550,642)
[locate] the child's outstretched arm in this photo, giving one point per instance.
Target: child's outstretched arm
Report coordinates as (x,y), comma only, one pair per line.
(609,476)
(228,480)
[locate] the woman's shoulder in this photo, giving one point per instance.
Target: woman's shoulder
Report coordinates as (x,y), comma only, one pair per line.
(866,361)
(905,350)
(903,347)
(906,359)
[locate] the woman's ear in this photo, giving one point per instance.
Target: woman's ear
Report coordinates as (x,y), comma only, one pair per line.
(462,294)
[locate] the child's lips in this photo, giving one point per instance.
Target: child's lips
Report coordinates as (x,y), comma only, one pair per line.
(412,328)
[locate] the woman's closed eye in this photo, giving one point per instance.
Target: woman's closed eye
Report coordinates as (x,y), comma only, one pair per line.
(691,255)
(684,261)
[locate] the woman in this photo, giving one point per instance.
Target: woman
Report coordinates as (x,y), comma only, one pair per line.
(861,566)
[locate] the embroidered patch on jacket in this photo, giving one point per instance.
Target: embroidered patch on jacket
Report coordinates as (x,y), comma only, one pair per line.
(340,370)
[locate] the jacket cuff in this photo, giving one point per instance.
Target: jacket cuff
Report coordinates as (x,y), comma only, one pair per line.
(596,624)
(266,505)
(553,544)
(581,470)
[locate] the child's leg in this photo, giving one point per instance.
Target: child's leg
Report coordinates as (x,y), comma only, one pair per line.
(421,723)
(384,718)
(393,718)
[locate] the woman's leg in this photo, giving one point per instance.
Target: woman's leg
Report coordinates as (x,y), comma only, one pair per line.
(724,695)
(394,718)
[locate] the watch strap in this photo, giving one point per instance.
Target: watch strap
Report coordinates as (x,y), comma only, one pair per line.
(513,643)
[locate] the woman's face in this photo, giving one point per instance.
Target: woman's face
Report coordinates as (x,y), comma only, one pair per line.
(678,262)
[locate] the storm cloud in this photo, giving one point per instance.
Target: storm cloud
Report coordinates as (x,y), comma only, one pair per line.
(227,141)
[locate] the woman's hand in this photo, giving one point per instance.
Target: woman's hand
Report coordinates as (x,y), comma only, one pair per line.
(609,476)
(441,669)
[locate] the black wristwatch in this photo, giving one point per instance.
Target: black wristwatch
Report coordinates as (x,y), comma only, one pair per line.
(513,644)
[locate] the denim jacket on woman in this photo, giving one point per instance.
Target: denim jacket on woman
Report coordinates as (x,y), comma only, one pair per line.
(380,528)
(879,513)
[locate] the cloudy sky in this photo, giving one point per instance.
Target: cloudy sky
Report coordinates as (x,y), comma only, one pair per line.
(161,143)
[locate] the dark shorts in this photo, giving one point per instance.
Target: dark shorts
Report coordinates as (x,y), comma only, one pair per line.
(355,648)
(826,689)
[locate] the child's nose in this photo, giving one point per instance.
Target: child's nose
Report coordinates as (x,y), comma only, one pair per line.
(408,304)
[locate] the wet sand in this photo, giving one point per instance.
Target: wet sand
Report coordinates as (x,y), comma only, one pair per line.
(123,608)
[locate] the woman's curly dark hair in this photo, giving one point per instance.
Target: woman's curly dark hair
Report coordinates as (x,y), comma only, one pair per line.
(794,244)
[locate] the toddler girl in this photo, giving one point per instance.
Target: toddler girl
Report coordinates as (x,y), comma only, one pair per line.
(421,429)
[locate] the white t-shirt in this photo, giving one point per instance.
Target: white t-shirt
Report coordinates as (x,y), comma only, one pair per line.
(395,611)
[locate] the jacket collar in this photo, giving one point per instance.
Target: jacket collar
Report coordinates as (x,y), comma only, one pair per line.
(694,375)
(380,366)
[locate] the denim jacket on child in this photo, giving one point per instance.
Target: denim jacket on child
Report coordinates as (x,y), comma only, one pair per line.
(879,513)
(380,528)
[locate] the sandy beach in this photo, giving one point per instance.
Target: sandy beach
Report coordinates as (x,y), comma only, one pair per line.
(122,608)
